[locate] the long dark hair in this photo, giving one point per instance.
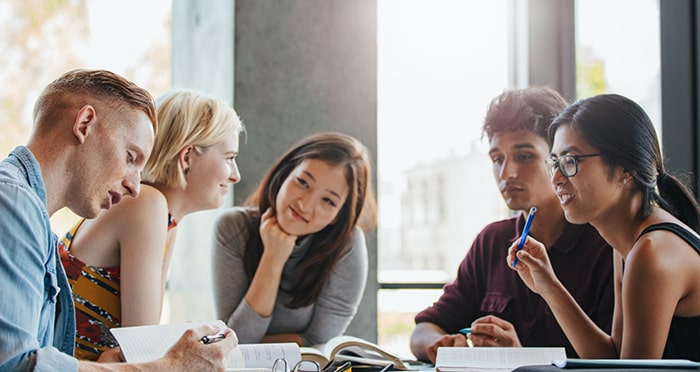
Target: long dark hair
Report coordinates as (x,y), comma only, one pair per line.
(623,133)
(329,244)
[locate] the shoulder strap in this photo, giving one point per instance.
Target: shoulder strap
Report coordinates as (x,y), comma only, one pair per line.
(683,233)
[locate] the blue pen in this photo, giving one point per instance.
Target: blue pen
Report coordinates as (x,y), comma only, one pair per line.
(526,230)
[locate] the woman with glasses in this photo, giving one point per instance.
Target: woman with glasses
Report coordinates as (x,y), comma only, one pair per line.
(607,170)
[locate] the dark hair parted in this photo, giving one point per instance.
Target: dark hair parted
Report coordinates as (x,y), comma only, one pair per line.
(623,133)
(329,244)
(531,109)
(86,86)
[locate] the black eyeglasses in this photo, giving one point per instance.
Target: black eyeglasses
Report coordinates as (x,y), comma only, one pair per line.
(567,164)
(281,365)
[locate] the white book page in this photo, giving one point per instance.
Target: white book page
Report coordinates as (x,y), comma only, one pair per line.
(465,358)
(263,355)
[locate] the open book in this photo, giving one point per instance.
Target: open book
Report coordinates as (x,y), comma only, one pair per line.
(456,359)
(147,343)
(354,349)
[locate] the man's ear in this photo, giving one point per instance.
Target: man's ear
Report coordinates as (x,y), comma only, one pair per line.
(84,123)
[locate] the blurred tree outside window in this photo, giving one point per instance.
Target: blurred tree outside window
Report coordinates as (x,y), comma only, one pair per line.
(42,39)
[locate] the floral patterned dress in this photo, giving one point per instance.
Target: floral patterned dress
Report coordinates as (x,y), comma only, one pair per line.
(96,297)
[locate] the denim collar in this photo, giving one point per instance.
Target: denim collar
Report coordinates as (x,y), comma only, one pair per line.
(32,171)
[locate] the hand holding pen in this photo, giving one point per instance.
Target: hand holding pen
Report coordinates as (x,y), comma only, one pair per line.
(490,330)
(185,356)
(533,267)
(466,332)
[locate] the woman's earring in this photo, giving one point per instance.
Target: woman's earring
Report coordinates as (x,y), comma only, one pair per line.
(624,180)
(187,170)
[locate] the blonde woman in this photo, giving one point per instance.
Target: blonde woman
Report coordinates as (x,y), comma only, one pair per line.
(117,263)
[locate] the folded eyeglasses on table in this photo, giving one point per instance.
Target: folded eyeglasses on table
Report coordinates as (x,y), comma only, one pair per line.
(281,365)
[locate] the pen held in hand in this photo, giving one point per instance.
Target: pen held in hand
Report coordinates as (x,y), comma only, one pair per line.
(526,230)
(387,367)
(212,339)
(466,332)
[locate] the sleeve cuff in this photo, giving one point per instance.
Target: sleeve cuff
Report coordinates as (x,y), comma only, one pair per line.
(50,359)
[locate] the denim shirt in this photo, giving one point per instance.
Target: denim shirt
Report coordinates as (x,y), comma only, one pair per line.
(37,317)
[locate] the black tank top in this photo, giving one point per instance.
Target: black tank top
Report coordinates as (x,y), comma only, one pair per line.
(684,335)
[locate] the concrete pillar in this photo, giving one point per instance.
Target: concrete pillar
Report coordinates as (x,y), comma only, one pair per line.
(304,67)
(544,45)
(202,59)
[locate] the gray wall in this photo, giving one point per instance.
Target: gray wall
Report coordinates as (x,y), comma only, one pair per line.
(303,67)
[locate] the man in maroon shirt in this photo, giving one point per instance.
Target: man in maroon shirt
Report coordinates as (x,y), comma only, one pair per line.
(487,296)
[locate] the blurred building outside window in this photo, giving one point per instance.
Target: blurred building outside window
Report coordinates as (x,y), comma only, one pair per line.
(439,64)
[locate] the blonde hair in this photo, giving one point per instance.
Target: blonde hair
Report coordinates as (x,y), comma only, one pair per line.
(186,118)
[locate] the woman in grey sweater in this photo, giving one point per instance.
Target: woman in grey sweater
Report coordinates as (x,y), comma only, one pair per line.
(291,265)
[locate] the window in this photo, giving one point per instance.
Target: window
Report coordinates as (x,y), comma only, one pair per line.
(615,58)
(88,34)
(440,62)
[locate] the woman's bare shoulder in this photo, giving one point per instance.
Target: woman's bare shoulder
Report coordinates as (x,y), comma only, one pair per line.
(149,208)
